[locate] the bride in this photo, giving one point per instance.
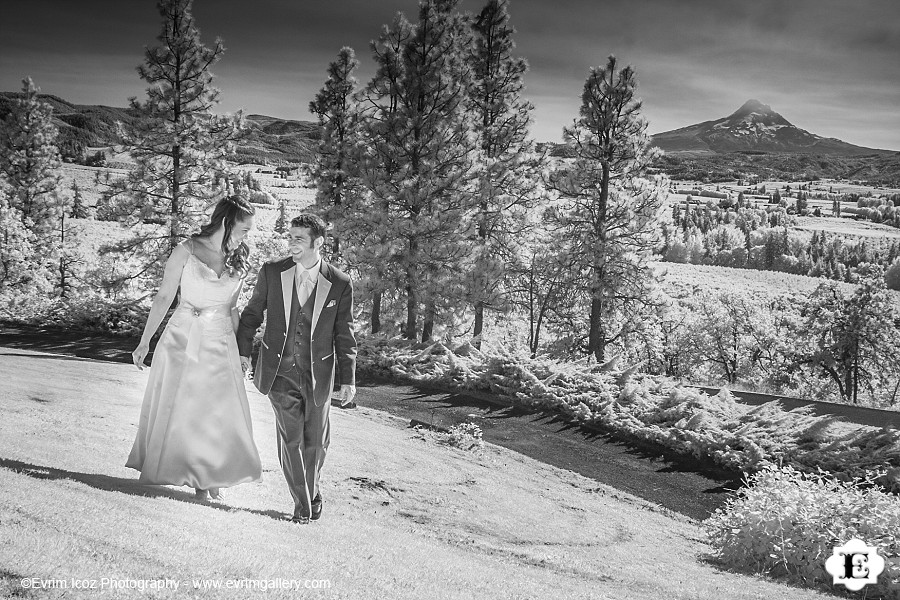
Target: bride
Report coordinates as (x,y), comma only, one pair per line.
(195,426)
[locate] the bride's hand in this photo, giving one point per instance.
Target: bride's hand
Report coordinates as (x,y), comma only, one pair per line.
(139,354)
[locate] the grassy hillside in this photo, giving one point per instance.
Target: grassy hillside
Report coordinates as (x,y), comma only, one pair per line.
(406,515)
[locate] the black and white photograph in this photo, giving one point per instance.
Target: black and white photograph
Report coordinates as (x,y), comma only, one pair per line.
(449,299)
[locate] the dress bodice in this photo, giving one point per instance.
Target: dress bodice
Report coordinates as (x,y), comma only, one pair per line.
(205,306)
(201,288)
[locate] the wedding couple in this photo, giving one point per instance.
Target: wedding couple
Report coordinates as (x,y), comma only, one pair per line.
(195,427)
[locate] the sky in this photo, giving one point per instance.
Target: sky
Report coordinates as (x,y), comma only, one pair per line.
(831,67)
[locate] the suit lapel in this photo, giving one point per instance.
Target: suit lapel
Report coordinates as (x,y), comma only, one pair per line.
(323,286)
(287,292)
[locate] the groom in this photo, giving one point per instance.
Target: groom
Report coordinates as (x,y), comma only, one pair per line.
(309,313)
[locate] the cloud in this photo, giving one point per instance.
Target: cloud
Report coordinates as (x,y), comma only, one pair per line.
(696,60)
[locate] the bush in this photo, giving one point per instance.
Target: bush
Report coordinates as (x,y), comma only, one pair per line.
(261,197)
(97,313)
(717,428)
(786,524)
(892,275)
(466,436)
(81,313)
(677,252)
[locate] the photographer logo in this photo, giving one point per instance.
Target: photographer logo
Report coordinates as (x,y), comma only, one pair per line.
(855,565)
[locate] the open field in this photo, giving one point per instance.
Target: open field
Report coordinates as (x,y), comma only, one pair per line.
(86,178)
(295,190)
(406,516)
(691,279)
(847,227)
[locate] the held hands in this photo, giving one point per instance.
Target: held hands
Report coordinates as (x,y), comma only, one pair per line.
(139,354)
(245,363)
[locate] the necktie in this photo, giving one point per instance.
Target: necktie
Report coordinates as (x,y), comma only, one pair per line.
(304,287)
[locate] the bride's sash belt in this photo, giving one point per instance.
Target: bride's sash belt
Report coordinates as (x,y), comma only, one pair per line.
(203,321)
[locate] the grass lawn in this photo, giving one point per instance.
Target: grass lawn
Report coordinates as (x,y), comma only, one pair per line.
(405,515)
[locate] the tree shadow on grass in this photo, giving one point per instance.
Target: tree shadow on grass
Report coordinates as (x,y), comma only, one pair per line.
(132,487)
(81,344)
(45,356)
(675,462)
(522,429)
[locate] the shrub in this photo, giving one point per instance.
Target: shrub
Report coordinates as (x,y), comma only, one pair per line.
(97,313)
(87,312)
(717,428)
(467,436)
(892,276)
(261,197)
(786,524)
(677,252)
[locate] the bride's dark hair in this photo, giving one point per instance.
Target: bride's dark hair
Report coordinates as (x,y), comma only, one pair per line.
(228,212)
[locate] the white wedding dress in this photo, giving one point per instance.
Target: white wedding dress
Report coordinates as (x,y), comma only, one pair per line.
(195,426)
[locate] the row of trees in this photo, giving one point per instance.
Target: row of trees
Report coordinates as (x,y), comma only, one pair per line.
(428,174)
(744,239)
(447,213)
(177,144)
(433,184)
(828,344)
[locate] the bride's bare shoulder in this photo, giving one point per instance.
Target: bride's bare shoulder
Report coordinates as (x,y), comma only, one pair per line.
(182,251)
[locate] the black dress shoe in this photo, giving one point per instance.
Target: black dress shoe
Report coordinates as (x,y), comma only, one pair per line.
(316,507)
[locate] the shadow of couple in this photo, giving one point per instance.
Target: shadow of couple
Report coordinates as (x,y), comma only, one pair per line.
(125,486)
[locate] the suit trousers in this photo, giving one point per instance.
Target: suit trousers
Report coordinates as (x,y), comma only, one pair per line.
(304,432)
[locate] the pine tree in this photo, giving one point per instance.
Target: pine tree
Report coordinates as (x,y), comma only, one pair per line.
(177,143)
(15,242)
(611,221)
(281,223)
(338,115)
(28,160)
(367,223)
(68,256)
(676,214)
(417,130)
(507,172)
(79,210)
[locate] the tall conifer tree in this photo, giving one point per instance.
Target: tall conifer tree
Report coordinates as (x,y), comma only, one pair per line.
(368,220)
(338,114)
(418,126)
(611,221)
(177,143)
(30,206)
(507,172)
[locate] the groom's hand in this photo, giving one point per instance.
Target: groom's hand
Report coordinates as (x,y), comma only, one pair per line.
(346,393)
(245,363)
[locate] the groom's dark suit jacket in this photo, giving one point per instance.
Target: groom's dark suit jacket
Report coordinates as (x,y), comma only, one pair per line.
(332,347)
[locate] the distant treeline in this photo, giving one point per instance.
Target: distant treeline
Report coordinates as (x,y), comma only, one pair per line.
(761,239)
(875,170)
